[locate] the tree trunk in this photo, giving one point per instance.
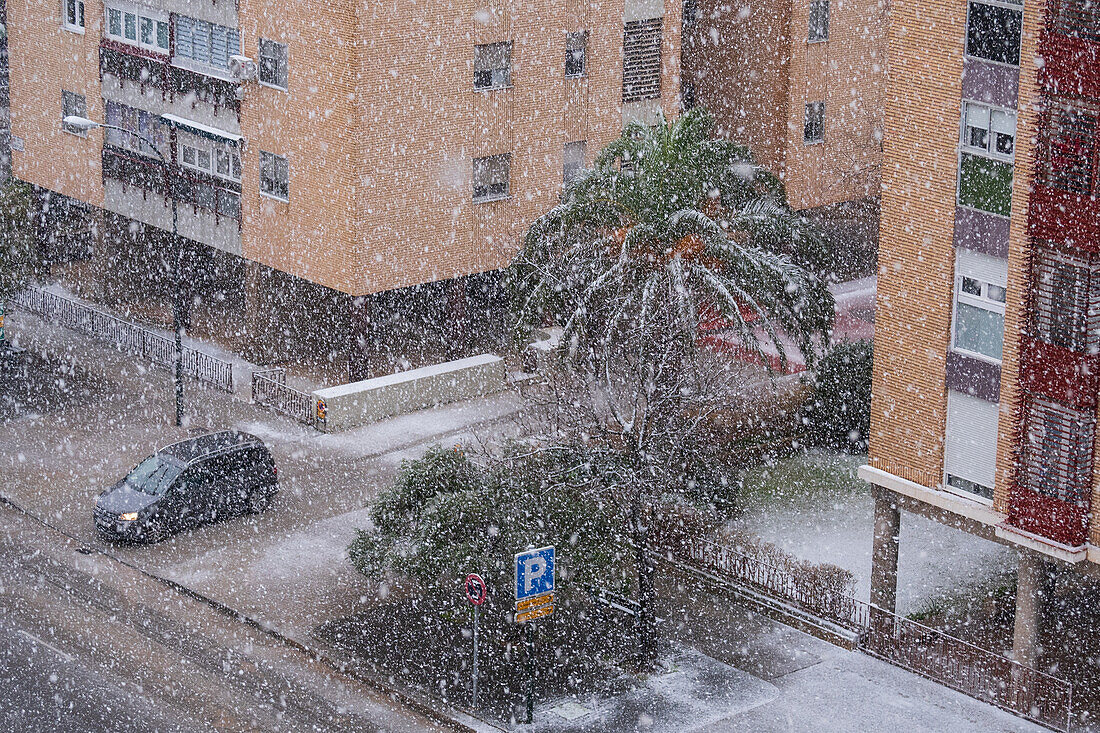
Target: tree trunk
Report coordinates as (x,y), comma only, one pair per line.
(647,628)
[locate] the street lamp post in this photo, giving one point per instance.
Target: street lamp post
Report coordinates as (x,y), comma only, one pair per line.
(83,123)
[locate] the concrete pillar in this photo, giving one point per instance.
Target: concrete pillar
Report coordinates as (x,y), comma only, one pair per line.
(361,335)
(884,550)
(1030,585)
(254,320)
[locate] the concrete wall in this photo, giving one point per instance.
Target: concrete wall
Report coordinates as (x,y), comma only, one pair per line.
(359,403)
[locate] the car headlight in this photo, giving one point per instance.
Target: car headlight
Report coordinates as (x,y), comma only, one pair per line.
(128,516)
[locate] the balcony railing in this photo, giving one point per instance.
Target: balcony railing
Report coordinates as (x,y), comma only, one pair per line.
(222,198)
(1076,19)
(153,70)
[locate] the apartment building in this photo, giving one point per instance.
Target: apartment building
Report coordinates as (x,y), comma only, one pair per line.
(327,157)
(987,332)
(800,82)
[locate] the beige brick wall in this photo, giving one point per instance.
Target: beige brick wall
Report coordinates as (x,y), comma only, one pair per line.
(44,59)
(754,68)
(380,127)
(912,322)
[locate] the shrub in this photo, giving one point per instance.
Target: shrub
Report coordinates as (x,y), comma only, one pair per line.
(838,412)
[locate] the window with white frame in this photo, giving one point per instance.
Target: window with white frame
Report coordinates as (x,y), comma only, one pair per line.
(203,44)
(575,49)
(273,63)
(138,122)
(993,30)
(73,15)
(980,290)
(73,104)
(970,444)
(989,130)
(491,176)
(819,21)
(138,28)
(573,161)
(219,158)
(493,65)
(274,176)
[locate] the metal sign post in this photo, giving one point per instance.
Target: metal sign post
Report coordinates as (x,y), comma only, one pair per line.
(534,600)
(476,593)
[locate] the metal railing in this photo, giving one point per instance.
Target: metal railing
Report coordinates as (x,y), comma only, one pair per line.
(931,653)
(269,388)
(126,336)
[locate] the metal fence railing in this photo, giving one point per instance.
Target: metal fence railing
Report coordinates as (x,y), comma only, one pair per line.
(126,336)
(960,665)
(269,388)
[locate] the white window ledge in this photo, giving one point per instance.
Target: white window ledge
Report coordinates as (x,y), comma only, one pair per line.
(491,199)
(273,197)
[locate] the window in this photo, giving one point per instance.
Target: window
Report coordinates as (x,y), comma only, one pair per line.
(143,29)
(970,444)
(273,63)
(642,60)
(274,176)
(687,95)
(1066,300)
(206,44)
(491,177)
(73,104)
(573,161)
(1069,144)
(136,121)
(980,282)
(819,21)
(690,13)
(993,31)
(493,65)
(213,157)
(74,15)
(1057,460)
(985,184)
(813,130)
(989,130)
(575,44)
(1077,19)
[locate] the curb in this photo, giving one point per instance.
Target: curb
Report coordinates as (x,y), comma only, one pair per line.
(418,703)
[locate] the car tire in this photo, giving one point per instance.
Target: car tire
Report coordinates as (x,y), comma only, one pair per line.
(155,531)
(259,499)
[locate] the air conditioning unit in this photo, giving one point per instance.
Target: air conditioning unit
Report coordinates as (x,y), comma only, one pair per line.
(242,68)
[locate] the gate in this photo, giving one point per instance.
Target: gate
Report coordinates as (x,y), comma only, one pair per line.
(269,388)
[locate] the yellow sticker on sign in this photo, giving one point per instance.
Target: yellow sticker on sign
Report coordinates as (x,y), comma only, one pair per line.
(528,603)
(534,613)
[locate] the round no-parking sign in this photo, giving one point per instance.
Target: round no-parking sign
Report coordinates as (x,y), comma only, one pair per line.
(476,592)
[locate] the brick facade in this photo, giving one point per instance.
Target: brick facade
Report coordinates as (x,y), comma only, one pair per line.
(380,126)
(755,69)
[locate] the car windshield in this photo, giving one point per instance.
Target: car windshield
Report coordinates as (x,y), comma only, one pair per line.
(154,475)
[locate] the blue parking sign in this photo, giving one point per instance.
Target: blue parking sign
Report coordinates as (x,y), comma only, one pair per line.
(534,572)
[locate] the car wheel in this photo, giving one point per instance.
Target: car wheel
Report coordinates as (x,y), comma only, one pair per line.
(259,500)
(155,531)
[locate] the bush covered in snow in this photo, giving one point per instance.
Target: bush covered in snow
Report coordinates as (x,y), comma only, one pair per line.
(447,515)
(17,247)
(838,412)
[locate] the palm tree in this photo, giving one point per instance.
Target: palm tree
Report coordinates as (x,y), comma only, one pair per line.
(670,228)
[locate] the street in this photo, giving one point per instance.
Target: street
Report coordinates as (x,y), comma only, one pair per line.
(87,643)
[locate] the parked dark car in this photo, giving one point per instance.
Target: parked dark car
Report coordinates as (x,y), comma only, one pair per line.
(196,481)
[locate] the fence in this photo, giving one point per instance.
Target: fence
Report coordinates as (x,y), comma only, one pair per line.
(126,336)
(952,662)
(269,388)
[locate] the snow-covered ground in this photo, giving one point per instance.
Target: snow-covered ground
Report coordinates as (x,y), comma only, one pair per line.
(815,507)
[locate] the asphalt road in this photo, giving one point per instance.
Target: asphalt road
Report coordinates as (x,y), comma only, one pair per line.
(87,644)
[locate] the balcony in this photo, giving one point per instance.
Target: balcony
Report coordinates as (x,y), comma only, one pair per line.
(220,197)
(1070,46)
(150,70)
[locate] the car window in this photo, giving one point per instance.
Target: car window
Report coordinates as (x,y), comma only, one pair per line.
(154,475)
